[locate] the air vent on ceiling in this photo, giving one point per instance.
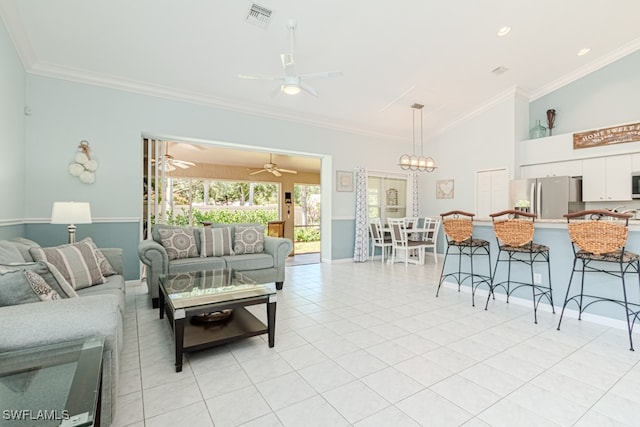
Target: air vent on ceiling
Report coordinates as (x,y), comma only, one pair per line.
(499,70)
(259,15)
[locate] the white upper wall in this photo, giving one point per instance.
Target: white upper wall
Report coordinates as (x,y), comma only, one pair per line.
(484,141)
(12,160)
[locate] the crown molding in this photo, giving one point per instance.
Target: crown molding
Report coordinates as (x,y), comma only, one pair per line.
(11,18)
(512,92)
(111,82)
(589,68)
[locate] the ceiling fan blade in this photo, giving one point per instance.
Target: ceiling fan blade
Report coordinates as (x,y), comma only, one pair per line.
(276,172)
(308,89)
(287,170)
(184,162)
(180,165)
(257,172)
(320,75)
(258,77)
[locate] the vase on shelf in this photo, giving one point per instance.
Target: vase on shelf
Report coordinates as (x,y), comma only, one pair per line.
(538,131)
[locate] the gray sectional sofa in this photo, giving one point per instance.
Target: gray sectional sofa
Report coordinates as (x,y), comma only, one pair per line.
(264,266)
(97,310)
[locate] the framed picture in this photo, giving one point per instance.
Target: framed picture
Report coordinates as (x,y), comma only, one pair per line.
(344,181)
(444,189)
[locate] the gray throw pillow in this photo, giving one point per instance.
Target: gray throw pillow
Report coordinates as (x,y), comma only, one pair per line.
(215,241)
(249,239)
(22,287)
(49,273)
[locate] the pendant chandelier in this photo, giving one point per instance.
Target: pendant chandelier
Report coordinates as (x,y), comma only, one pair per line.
(413,162)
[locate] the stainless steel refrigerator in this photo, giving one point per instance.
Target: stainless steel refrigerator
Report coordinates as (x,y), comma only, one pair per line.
(550,197)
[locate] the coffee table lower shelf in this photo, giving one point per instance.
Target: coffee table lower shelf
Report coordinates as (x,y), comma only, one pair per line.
(241,324)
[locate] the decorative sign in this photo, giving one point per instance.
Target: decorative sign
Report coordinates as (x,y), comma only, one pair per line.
(607,136)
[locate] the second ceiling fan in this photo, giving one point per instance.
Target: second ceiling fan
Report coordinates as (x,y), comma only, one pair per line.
(271,168)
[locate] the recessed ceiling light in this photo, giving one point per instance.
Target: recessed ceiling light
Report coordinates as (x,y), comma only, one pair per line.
(504,31)
(584,51)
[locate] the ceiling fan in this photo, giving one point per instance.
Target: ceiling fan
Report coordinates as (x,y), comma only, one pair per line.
(292,83)
(170,163)
(272,168)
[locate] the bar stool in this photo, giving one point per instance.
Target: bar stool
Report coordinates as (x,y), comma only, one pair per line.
(598,238)
(514,234)
(458,230)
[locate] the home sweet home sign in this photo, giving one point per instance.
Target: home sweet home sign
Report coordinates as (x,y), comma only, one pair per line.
(607,136)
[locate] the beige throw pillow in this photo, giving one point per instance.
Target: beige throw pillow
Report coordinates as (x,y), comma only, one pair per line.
(76,262)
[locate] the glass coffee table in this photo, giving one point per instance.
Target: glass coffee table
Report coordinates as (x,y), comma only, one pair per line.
(52,385)
(208,308)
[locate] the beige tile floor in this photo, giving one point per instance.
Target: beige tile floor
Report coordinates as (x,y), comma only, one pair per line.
(365,344)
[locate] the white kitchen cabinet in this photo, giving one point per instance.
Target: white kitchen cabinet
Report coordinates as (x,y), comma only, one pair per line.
(567,168)
(635,162)
(606,179)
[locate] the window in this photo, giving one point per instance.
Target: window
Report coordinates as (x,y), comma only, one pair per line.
(387,197)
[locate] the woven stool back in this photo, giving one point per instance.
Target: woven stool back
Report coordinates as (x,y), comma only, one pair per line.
(458,229)
(598,237)
(514,232)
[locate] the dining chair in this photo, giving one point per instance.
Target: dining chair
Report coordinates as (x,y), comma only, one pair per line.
(514,234)
(411,222)
(402,244)
(429,231)
(458,229)
(378,239)
(598,239)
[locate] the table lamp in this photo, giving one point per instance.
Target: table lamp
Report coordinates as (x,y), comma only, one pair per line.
(71,213)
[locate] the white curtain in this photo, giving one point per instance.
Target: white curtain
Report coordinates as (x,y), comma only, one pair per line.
(361,247)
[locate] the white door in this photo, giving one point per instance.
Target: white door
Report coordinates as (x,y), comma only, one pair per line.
(492,192)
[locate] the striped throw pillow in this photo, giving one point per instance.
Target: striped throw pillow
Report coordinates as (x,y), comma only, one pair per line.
(215,242)
(76,262)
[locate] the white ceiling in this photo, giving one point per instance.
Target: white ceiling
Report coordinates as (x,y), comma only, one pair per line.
(392,53)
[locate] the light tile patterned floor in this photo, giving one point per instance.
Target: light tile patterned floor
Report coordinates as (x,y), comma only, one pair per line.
(370,345)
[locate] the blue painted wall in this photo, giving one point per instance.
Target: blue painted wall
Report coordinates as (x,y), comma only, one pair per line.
(606,97)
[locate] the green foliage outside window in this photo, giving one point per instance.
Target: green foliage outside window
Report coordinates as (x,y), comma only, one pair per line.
(223,216)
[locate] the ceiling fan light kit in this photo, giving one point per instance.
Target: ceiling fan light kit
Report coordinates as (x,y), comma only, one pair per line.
(412,162)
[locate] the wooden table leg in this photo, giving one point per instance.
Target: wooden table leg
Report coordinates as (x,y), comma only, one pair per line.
(178,330)
(271,321)
(161,303)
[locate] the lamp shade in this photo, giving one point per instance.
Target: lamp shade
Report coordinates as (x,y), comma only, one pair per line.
(71,213)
